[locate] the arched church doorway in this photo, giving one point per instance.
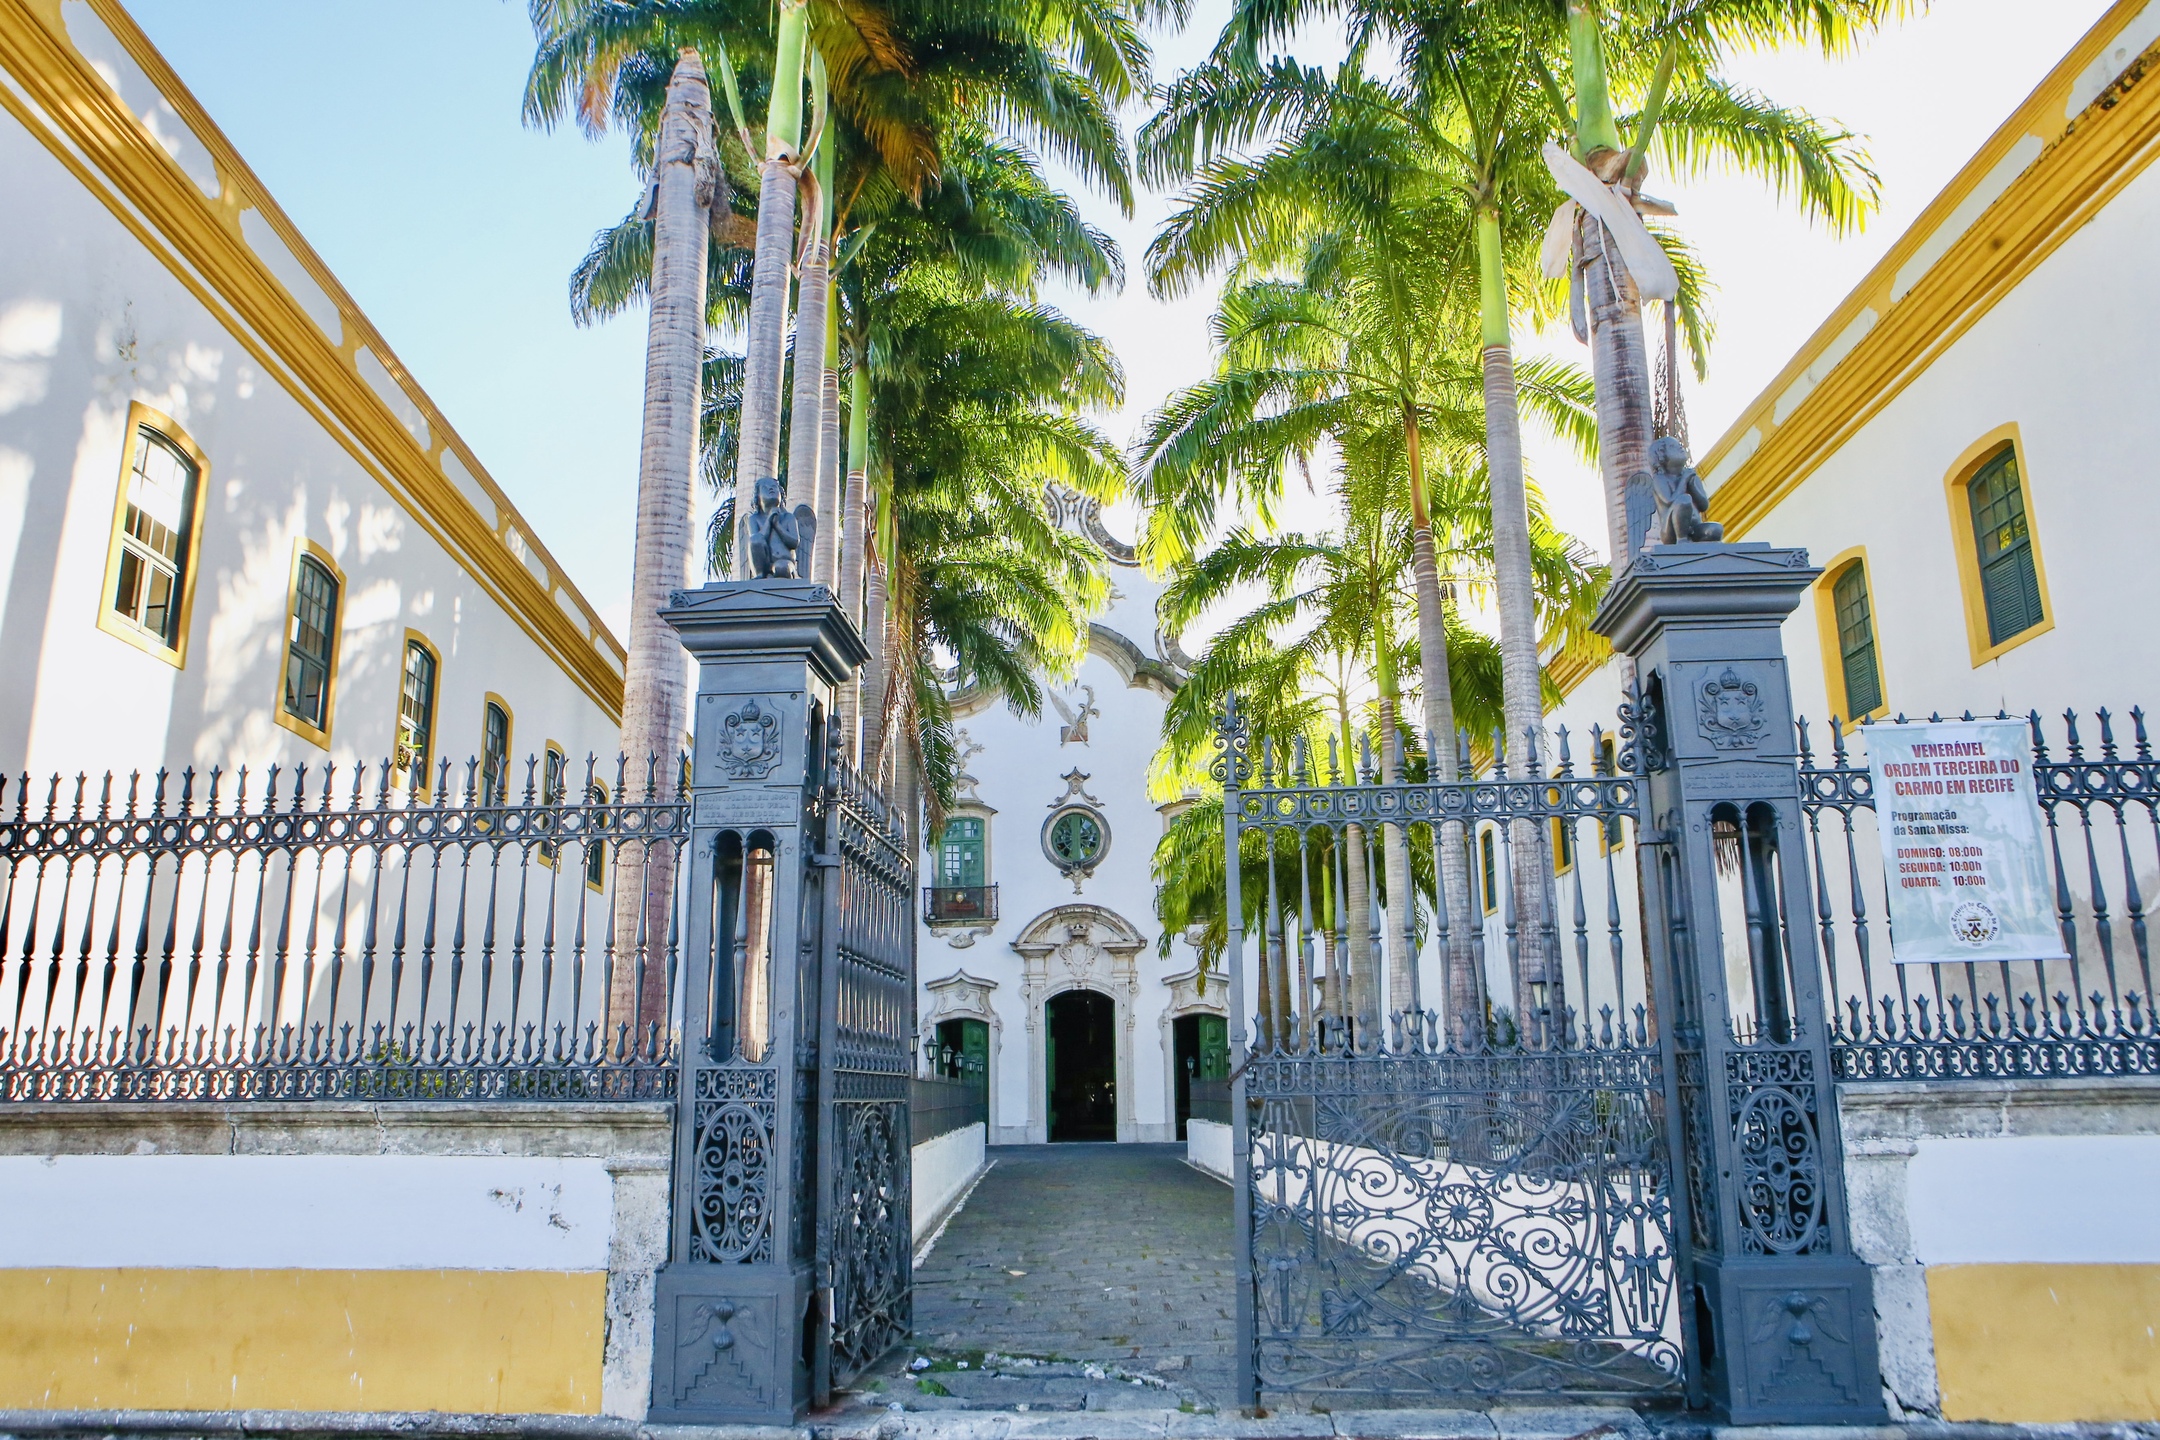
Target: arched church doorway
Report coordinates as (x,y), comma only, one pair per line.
(1082,1056)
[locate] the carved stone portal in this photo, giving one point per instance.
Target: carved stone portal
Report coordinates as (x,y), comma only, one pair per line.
(1077,947)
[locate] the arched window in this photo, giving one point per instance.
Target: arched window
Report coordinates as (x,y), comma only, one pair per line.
(494,751)
(554,790)
(961,853)
(311,637)
(1998,549)
(2002,538)
(149,568)
(596,841)
(416,714)
(1489,870)
(1845,622)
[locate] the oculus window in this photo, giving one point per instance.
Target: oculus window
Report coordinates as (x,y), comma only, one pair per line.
(1075,839)
(149,570)
(310,646)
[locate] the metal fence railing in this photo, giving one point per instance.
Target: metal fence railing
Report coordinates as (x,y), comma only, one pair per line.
(331,933)
(939,1106)
(2088,1014)
(949,904)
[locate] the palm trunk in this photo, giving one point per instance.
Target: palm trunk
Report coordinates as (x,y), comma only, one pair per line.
(853,522)
(1515,589)
(1458,961)
(874,682)
(656,676)
(806,421)
(1395,862)
(832,517)
(1358,897)
(758,448)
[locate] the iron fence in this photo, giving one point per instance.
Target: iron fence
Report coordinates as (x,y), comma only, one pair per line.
(946,903)
(2089,1014)
(940,1106)
(338,933)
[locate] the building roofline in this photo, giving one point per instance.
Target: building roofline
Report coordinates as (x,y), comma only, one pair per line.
(2084,132)
(282,308)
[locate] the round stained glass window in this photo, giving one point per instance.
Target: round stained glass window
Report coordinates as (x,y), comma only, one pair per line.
(1075,838)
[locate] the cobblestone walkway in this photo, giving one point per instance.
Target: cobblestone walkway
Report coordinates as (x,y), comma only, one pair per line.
(1113,1254)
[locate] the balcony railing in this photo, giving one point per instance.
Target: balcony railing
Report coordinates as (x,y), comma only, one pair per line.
(959,904)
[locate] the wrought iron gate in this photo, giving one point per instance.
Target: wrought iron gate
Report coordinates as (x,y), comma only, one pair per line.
(867,964)
(1474,1198)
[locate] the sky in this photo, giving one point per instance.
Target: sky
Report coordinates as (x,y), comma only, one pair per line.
(391,134)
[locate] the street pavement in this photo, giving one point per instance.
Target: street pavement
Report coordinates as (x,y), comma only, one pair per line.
(1084,1258)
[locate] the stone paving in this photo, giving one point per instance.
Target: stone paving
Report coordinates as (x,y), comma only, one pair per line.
(1105,1264)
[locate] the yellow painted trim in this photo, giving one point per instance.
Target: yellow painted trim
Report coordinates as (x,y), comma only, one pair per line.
(1573,666)
(2044,1344)
(1833,654)
(509,742)
(2085,163)
(138,416)
(306,548)
(79,119)
(425,790)
(470,1341)
(1968,464)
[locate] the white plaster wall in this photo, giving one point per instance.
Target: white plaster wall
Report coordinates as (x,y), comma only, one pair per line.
(306,1212)
(89,321)
(941,1169)
(2035,1199)
(1207,1146)
(2073,358)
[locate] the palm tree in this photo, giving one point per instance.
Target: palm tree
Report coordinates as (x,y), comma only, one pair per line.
(1668,51)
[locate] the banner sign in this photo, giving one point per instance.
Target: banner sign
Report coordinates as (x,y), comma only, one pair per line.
(1961,848)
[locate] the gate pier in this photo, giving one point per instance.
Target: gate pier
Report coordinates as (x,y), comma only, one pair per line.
(1783,1311)
(789,1243)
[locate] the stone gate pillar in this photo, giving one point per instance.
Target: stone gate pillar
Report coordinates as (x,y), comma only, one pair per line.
(1782,1312)
(737,1322)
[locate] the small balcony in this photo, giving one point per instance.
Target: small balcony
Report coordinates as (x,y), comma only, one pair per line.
(959,904)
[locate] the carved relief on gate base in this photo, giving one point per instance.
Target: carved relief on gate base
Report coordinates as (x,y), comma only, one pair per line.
(1079,947)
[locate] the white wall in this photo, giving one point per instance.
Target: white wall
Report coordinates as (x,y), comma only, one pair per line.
(1207,1147)
(942,1169)
(90,321)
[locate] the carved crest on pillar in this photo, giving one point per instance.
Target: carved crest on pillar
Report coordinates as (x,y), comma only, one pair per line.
(1729,711)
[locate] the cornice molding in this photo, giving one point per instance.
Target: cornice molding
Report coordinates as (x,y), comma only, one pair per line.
(63,101)
(2084,162)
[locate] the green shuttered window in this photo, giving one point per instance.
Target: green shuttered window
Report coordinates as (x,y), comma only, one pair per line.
(1856,642)
(2002,542)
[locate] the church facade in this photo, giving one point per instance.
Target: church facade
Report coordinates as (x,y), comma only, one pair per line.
(1042,967)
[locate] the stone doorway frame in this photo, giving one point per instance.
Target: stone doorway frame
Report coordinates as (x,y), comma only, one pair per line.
(1079,947)
(1186,999)
(961,996)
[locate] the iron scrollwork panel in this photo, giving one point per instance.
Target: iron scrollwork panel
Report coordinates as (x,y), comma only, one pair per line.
(732,1204)
(1489,1223)
(1777,1142)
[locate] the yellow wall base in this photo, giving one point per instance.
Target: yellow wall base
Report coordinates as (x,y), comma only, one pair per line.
(491,1341)
(2042,1343)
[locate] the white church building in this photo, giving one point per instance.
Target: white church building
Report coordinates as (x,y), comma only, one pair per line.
(1040,959)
